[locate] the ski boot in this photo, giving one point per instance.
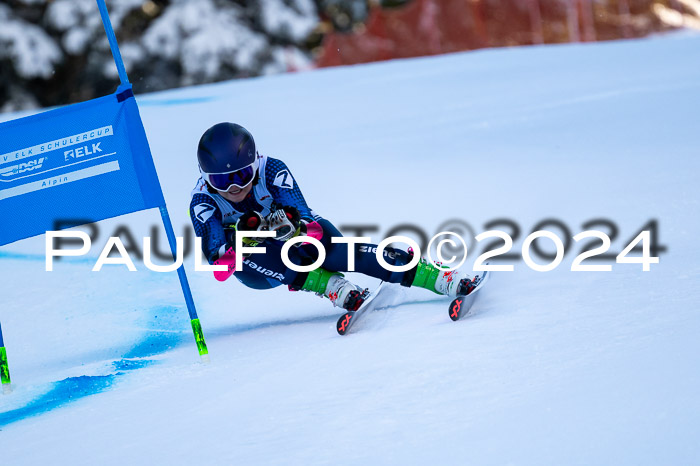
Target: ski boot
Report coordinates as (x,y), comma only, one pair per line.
(332,285)
(432,277)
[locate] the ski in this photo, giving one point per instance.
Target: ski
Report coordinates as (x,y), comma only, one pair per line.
(461,305)
(347,320)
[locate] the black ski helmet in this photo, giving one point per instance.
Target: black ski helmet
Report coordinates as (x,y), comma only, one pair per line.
(224,148)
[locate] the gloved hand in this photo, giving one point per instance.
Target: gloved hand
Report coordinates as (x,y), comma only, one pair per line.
(286,222)
(248,222)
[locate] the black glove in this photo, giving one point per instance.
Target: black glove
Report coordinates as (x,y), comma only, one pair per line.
(248,222)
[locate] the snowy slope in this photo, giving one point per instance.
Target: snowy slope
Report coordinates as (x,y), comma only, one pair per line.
(553,368)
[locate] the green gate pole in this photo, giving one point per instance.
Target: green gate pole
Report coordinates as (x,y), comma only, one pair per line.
(4,368)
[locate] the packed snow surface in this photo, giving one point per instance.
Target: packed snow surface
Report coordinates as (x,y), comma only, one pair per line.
(555,367)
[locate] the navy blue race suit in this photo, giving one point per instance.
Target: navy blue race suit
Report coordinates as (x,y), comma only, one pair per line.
(274,187)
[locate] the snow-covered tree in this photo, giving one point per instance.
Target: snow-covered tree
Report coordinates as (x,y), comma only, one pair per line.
(54,52)
(27,53)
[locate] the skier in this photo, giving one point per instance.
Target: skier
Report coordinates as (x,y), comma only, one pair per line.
(241,190)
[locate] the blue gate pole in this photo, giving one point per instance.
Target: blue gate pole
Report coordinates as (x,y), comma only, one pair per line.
(112,42)
(4,368)
(184,284)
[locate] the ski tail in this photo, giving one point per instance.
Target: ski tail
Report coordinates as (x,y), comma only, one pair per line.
(347,320)
(461,305)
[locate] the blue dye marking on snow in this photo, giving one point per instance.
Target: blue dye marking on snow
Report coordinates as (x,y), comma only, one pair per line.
(42,258)
(157,343)
(130,364)
(63,392)
(72,389)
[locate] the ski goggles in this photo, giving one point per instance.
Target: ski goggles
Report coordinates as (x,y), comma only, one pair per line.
(237,178)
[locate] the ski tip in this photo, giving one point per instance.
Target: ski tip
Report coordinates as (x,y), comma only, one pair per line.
(343,323)
(456,309)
